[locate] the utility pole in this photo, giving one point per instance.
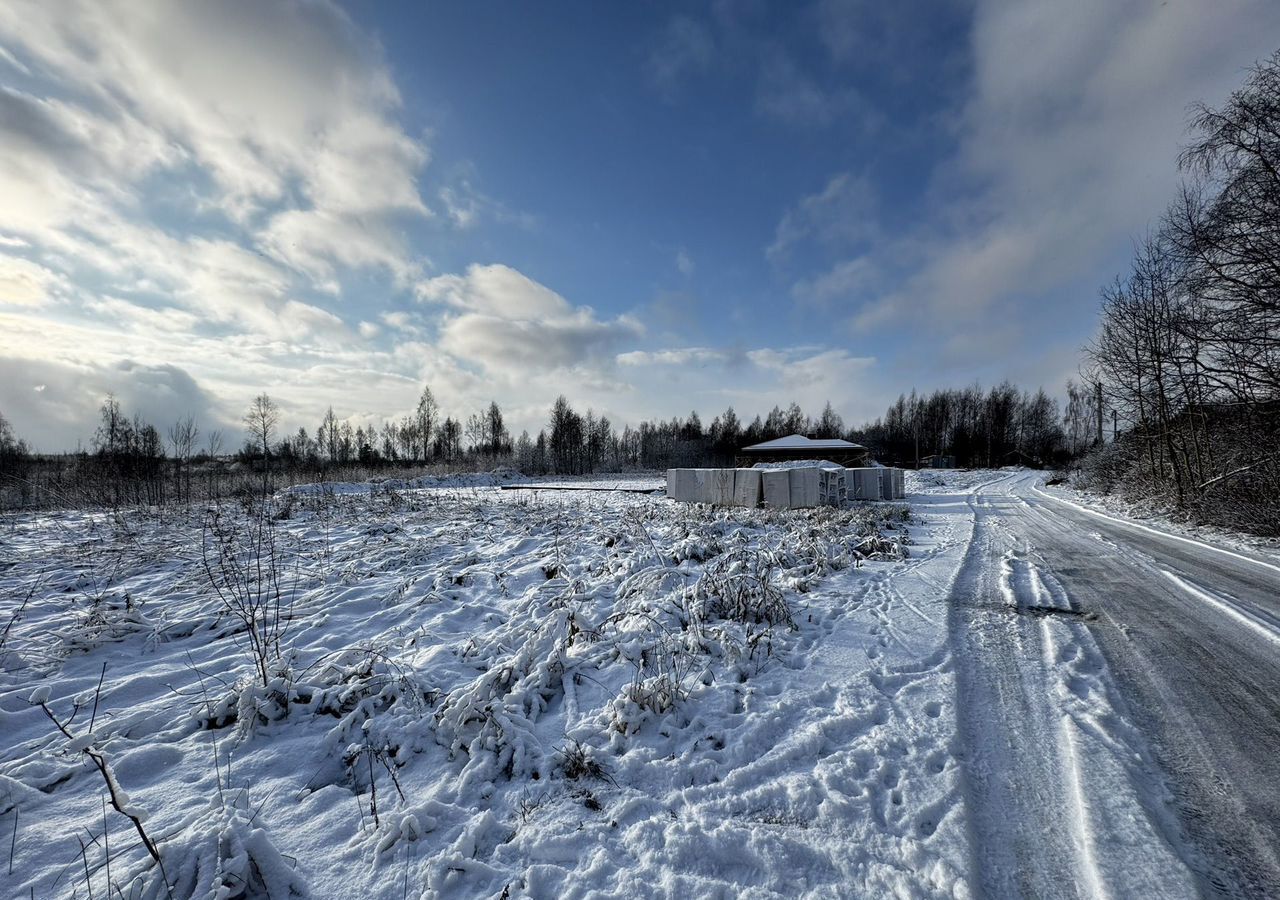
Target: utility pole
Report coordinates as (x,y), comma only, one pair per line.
(1098,402)
(1115,427)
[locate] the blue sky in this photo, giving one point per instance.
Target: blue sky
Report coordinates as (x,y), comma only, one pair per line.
(647,207)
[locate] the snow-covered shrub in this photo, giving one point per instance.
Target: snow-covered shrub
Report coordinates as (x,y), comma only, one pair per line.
(874,546)
(245,568)
(223,854)
(107,620)
(738,586)
(577,760)
(663,678)
(249,703)
(381,707)
(491,717)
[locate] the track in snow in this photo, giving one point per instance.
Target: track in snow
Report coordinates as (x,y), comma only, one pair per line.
(1119,693)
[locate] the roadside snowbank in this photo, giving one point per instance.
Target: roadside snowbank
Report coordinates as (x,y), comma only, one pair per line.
(1144,513)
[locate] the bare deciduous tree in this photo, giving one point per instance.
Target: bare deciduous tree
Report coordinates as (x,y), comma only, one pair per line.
(182,438)
(261,421)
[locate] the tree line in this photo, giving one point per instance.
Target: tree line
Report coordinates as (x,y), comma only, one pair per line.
(131,461)
(970,427)
(1187,352)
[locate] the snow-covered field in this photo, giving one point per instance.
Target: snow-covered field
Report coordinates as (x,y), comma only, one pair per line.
(480,692)
(447,688)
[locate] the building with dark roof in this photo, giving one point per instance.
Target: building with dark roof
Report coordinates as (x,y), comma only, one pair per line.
(796,447)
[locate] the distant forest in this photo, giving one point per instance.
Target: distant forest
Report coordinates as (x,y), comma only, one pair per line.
(132,461)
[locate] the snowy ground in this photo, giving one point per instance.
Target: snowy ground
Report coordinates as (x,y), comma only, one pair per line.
(494,693)
(546,694)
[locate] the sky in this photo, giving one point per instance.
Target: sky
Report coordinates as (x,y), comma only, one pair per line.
(649,208)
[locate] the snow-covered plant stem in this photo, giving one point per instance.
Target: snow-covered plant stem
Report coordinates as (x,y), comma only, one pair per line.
(119,799)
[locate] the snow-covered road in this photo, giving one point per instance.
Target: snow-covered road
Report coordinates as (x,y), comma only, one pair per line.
(1119,704)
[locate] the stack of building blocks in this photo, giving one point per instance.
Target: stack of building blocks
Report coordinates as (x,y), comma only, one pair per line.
(832,488)
(804,487)
(719,487)
(886,483)
(681,485)
(800,487)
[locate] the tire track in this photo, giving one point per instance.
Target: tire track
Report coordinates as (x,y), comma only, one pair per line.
(1041,735)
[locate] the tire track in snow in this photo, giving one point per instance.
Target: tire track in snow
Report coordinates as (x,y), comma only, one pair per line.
(1258,621)
(1041,735)
(1199,689)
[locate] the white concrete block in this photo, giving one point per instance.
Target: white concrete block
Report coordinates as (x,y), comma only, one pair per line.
(804,487)
(865,483)
(681,485)
(721,487)
(701,485)
(746,487)
(831,487)
(775,485)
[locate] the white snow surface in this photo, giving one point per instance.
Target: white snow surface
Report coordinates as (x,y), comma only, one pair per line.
(1154,517)
(799,464)
(511,693)
(546,691)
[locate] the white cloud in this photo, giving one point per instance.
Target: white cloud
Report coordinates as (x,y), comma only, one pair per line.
(462,207)
(496,289)
(842,213)
(1065,149)
(1069,141)
(507,322)
(402,321)
(53,401)
(132,315)
(516,346)
(843,283)
(258,94)
(467,206)
(683,356)
(286,109)
(684,263)
(25,283)
(319,244)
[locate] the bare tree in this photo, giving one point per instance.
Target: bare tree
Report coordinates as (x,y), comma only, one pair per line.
(261,421)
(1227,225)
(1188,348)
(182,438)
(425,417)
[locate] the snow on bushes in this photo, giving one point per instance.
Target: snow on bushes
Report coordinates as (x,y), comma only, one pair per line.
(225,854)
(427,654)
